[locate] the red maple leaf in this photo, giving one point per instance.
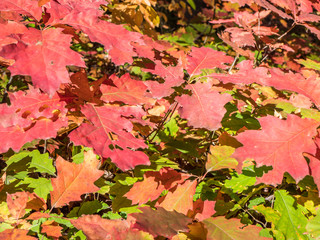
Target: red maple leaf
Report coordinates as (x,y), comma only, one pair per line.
(110,126)
(46,53)
(201,58)
(26,7)
(173,76)
(116,39)
(126,90)
(279,144)
(205,107)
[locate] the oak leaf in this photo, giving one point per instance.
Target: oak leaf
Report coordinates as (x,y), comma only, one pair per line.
(15,234)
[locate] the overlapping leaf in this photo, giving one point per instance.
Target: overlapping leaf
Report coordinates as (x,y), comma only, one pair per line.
(279,144)
(73,180)
(205,107)
(110,126)
(47,53)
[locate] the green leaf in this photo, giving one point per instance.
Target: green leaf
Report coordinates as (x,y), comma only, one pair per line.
(86,208)
(42,186)
(256,201)
(309,64)
(192,4)
(270,214)
(313,226)
(42,163)
(292,222)
(240,182)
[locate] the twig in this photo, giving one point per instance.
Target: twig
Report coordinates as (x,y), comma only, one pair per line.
(234,62)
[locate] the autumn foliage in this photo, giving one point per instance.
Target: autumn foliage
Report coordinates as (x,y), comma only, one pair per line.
(162,119)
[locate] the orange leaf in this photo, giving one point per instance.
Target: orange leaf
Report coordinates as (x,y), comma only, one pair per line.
(181,199)
(15,234)
(74,179)
(97,228)
(51,229)
(20,201)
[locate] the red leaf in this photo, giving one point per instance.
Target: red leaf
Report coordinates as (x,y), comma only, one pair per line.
(246,74)
(73,180)
(97,228)
(160,222)
(27,7)
(125,90)
(107,120)
(201,58)
(205,108)
(279,144)
(47,53)
(116,40)
(173,76)
(179,198)
(26,106)
(203,209)
(16,136)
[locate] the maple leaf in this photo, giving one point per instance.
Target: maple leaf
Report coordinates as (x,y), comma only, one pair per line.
(51,229)
(279,144)
(26,106)
(205,108)
(160,222)
(20,201)
(73,180)
(16,234)
(203,209)
(294,82)
(219,158)
(26,7)
(47,53)
(179,198)
(153,185)
(107,120)
(173,76)
(222,228)
(16,136)
(201,58)
(126,90)
(314,165)
(97,228)
(241,37)
(246,74)
(116,39)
